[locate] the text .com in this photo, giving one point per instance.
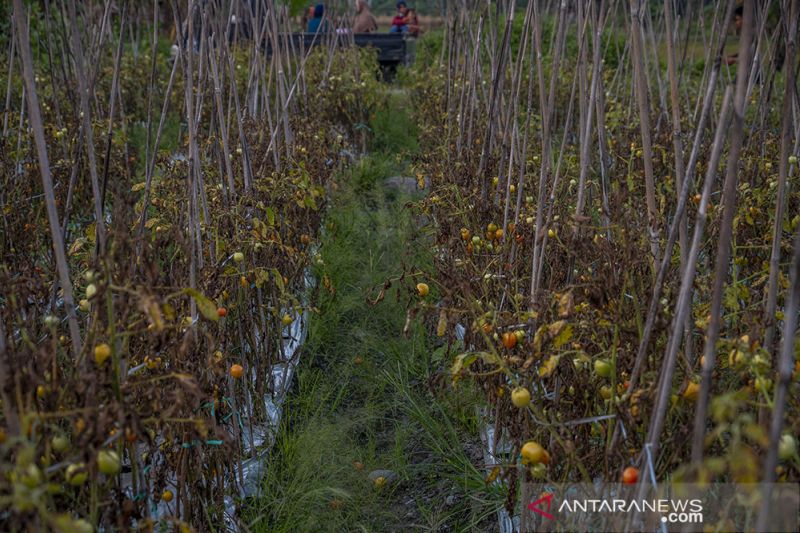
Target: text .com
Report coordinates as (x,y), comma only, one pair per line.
(682,518)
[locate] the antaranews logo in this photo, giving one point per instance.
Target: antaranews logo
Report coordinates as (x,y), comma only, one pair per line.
(671,511)
(666,507)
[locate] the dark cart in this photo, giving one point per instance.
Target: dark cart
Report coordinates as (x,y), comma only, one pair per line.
(392,47)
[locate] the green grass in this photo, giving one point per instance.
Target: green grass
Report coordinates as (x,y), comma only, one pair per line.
(379,413)
(394,131)
(168,143)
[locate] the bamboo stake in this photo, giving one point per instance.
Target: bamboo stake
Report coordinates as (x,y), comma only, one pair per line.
(599,109)
(7,108)
(547,109)
(83,88)
(726,234)
(497,79)
(640,85)
(785,370)
(217,100)
(780,200)
(47,180)
(114,91)
(151,85)
(152,162)
(185,56)
(677,147)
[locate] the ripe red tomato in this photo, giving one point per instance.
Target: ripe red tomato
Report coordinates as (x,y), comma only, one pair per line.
(630,475)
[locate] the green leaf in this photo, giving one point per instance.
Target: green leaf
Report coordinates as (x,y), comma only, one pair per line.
(262,276)
(308,200)
(563,337)
(259,227)
(438,354)
(490,358)
(731,300)
(206,306)
(270,216)
(757,434)
(279,280)
(463,361)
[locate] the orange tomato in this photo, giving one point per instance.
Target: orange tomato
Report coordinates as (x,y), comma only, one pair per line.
(237,371)
(509,339)
(221,312)
(630,475)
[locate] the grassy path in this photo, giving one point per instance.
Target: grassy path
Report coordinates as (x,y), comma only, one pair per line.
(361,401)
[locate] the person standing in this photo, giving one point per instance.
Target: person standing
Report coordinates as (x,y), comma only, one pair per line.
(365,21)
(308,14)
(738,20)
(412,23)
(316,24)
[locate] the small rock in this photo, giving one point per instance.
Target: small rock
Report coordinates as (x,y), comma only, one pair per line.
(450,500)
(347,154)
(389,475)
(403,183)
(422,221)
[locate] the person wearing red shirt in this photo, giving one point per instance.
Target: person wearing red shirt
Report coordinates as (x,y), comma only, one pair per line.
(400,22)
